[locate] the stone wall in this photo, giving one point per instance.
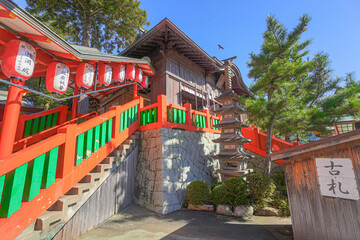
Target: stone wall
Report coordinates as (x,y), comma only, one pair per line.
(169,159)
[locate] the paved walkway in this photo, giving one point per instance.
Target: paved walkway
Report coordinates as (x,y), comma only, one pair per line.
(140,223)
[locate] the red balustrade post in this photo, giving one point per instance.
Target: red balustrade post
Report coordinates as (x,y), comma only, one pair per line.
(20,127)
(75,102)
(67,151)
(141,105)
(116,122)
(63,114)
(162,109)
(188,114)
(207,118)
(10,119)
(135,90)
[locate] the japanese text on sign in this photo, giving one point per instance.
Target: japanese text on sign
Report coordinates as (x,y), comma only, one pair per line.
(336,178)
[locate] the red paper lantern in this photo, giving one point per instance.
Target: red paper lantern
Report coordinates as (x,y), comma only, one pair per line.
(85,75)
(57,77)
(145,82)
(119,73)
(130,72)
(18,60)
(138,75)
(105,74)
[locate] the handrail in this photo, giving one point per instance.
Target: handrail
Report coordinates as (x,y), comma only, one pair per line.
(48,169)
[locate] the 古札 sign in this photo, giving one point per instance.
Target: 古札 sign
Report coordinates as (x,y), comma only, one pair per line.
(336,178)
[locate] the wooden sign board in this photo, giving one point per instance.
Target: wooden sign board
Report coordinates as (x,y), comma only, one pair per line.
(336,178)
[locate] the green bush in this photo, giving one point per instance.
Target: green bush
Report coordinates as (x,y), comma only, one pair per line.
(281,202)
(261,189)
(198,193)
(280,198)
(279,180)
(233,192)
(220,195)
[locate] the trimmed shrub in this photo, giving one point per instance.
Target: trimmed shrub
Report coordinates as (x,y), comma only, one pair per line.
(233,192)
(280,198)
(261,189)
(237,189)
(279,180)
(198,193)
(220,195)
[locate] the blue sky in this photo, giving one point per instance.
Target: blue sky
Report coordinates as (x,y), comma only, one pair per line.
(238,26)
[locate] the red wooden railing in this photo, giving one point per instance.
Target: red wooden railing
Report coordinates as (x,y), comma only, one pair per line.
(48,163)
(258,143)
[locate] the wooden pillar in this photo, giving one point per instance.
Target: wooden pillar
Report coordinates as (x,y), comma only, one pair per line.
(162,109)
(10,119)
(207,118)
(188,114)
(75,102)
(135,90)
(67,151)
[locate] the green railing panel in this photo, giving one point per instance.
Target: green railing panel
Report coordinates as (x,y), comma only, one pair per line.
(33,178)
(109,130)
(89,143)
(103,134)
(133,115)
(183,117)
(211,123)
(35,126)
(147,113)
(180,112)
(49,121)
(136,112)
(27,128)
(54,120)
(50,168)
(42,123)
(13,191)
(80,149)
(121,122)
(126,116)
(169,114)
(2,182)
(193,119)
(174,116)
(156,114)
(96,144)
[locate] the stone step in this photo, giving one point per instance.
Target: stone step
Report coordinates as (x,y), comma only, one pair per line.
(79,189)
(48,219)
(64,202)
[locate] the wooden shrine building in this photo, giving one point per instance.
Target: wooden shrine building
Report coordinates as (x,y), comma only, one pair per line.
(182,69)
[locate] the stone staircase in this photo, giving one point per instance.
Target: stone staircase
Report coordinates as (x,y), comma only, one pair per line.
(51,221)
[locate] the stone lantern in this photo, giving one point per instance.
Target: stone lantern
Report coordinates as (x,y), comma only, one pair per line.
(232,155)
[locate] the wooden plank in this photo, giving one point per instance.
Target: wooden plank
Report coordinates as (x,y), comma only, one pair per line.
(80,149)
(13,191)
(96,139)
(55,118)
(354,154)
(33,178)
(50,168)
(42,123)
(49,120)
(27,128)
(35,127)
(89,143)
(103,134)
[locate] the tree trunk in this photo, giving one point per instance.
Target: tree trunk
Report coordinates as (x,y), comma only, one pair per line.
(267,169)
(86,33)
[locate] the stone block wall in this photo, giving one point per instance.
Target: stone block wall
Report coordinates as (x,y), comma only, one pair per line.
(169,159)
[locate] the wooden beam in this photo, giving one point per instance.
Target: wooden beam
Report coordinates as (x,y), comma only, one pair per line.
(7,14)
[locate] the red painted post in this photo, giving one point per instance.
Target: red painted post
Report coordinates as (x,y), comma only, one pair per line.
(256,140)
(188,114)
(67,150)
(63,114)
(10,119)
(141,105)
(116,122)
(75,102)
(162,109)
(135,90)
(207,118)
(20,127)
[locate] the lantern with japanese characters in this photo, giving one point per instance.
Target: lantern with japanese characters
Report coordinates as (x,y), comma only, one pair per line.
(138,75)
(105,74)
(119,73)
(84,75)
(145,82)
(130,72)
(18,60)
(57,77)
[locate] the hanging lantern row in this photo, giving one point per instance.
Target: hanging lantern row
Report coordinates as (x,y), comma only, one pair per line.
(19,61)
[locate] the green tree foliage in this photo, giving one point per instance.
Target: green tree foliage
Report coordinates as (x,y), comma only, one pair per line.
(278,71)
(292,93)
(104,24)
(233,192)
(45,103)
(261,189)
